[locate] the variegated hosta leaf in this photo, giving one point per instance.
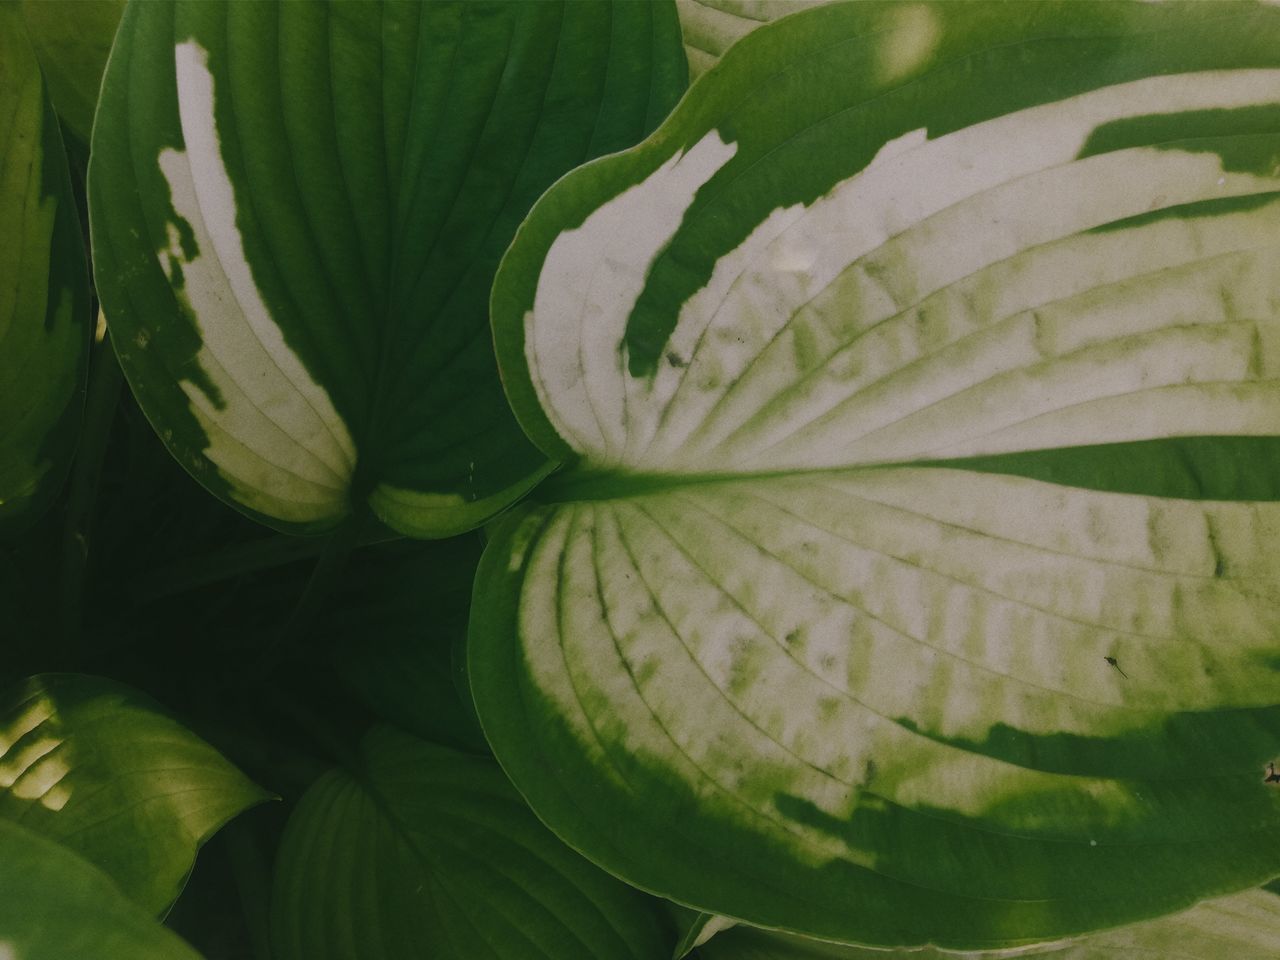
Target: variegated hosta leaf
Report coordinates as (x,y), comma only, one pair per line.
(55,906)
(424,852)
(297,210)
(1244,926)
(914,579)
(710,27)
(44,291)
(97,767)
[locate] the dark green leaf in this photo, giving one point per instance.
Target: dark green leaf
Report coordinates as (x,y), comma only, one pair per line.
(398,621)
(427,852)
(72,44)
(44,293)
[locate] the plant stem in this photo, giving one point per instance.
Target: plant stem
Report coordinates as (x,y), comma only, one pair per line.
(106,381)
(324,578)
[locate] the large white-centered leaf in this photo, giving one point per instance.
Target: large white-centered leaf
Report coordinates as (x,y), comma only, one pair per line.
(44,289)
(1243,926)
(55,906)
(425,852)
(297,211)
(912,574)
(99,768)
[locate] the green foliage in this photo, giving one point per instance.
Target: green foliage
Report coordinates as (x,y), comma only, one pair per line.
(94,765)
(55,905)
(515,508)
(330,187)
(462,867)
(44,295)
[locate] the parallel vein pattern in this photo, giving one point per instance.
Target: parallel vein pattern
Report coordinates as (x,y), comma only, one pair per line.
(90,764)
(298,210)
(805,342)
(430,851)
(914,580)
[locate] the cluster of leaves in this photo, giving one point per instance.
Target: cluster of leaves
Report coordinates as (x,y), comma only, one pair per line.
(744,479)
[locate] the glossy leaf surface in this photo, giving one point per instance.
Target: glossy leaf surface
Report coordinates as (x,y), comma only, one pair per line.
(912,575)
(44,293)
(429,852)
(97,767)
(55,906)
(297,211)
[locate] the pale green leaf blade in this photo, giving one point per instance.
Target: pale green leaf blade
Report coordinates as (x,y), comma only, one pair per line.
(869,736)
(297,212)
(1245,926)
(44,293)
(429,852)
(914,578)
(99,768)
(54,906)
(72,44)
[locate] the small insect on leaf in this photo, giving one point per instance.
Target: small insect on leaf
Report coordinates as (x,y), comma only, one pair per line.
(1116,664)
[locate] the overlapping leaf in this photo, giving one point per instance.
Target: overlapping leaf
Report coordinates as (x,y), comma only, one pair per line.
(44,294)
(428,852)
(710,27)
(95,766)
(297,211)
(72,44)
(913,578)
(54,906)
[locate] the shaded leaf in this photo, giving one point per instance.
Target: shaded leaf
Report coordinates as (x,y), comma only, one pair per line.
(428,852)
(44,293)
(72,44)
(398,621)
